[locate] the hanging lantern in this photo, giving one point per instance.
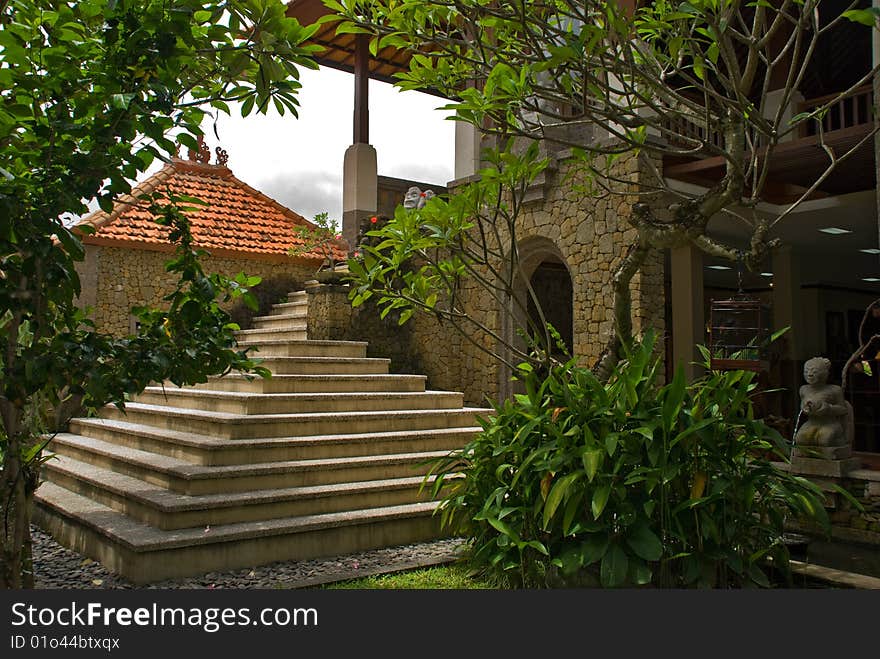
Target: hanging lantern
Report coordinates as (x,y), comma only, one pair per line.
(739,334)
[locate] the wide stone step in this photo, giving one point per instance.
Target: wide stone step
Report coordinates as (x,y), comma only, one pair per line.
(254,403)
(299,307)
(298,296)
(280,321)
(163,509)
(208,450)
(257,335)
(187,478)
(143,553)
(325,365)
(287,348)
(241,426)
(304,384)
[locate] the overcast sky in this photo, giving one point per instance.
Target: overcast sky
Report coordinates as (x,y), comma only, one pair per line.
(298,162)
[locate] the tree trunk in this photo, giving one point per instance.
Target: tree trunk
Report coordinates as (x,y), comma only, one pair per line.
(15,558)
(621,334)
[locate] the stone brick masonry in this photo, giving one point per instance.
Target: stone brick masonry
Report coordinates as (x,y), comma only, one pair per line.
(114,279)
(588,234)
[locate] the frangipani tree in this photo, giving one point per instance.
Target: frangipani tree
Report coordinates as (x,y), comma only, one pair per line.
(699,79)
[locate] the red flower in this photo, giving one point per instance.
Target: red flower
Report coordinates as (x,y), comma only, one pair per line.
(338,236)
(374,219)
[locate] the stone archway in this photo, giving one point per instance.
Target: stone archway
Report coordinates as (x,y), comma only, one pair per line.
(543,267)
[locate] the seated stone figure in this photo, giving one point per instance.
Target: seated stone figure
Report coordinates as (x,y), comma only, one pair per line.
(829,415)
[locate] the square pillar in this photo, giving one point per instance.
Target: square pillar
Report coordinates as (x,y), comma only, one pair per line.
(786,301)
(772,102)
(688,316)
(360,182)
(467,150)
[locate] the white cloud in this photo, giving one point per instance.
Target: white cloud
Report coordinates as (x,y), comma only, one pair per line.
(299,161)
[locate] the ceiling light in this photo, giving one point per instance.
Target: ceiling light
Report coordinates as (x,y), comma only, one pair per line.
(871,279)
(835,231)
(719,267)
(766,274)
(872,250)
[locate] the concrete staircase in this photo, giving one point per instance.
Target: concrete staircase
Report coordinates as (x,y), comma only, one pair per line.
(326,457)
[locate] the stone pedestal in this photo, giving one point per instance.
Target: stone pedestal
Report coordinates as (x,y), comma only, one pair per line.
(823,467)
(359,189)
(329,313)
(822,452)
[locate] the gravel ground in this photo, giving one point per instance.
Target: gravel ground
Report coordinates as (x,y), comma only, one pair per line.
(57,567)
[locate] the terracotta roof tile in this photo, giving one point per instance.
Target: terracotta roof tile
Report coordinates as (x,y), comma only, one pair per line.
(235,217)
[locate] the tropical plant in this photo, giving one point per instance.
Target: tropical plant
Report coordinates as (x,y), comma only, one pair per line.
(90,93)
(627,483)
(321,238)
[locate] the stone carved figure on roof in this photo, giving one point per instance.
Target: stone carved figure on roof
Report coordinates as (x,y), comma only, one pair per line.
(222,156)
(829,416)
(415,198)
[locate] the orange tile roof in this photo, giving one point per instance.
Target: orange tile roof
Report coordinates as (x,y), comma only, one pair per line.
(236,219)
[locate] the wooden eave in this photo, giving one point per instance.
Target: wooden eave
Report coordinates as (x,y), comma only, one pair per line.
(339,49)
(795,166)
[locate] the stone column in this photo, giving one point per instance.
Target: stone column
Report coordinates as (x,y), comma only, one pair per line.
(788,306)
(688,317)
(467,150)
(786,301)
(771,106)
(875,43)
(360,179)
(360,183)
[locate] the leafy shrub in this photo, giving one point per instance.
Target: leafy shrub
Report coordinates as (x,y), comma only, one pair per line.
(321,238)
(627,483)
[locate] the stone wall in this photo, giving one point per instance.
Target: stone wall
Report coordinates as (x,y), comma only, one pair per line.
(332,318)
(588,234)
(115,279)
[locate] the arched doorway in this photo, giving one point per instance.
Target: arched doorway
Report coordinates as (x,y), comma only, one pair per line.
(542,268)
(551,283)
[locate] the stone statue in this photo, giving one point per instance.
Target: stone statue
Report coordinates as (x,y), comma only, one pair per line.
(829,416)
(415,198)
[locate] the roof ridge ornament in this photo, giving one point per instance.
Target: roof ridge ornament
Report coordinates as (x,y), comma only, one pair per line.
(203,154)
(222,156)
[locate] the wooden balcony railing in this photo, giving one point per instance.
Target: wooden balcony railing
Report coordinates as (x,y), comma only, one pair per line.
(680,127)
(853,110)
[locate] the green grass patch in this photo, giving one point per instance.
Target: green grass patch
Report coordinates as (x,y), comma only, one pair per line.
(444,577)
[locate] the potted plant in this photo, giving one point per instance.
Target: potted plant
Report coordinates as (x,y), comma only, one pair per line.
(322,239)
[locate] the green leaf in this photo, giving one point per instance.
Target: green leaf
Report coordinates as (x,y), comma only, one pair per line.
(592,459)
(864,16)
(594,548)
(557,492)
(611,443)
(640,573)
(502,527)
(778,333)
(644,542)
(121,101)
(673,397)
(600,499)
(614,567)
